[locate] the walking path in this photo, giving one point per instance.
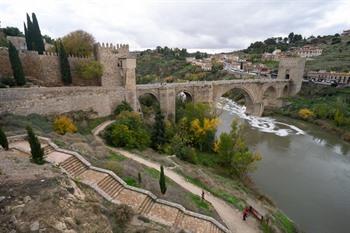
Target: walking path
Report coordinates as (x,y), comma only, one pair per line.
(232,217)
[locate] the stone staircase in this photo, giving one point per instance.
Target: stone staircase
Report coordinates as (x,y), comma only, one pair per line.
(146,206)
(74,166)
(117,191)
(110,186)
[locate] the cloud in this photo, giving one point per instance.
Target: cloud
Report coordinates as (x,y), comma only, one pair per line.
(192,24)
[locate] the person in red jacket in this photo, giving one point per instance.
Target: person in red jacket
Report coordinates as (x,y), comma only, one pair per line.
(245,213)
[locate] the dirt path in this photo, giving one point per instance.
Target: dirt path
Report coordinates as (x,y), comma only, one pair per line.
(232,217)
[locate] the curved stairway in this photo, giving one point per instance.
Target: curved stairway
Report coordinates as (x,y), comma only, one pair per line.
(117,191)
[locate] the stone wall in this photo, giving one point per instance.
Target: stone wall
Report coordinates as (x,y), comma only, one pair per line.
(58,100)
(44,69)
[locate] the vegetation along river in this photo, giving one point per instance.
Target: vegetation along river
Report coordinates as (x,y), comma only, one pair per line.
(304,170)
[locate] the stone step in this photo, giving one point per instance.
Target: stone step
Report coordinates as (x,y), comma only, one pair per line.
(112,186)
(117,191)
(48,149)
(179,217)
(146,205)
(74,166)
(102,184)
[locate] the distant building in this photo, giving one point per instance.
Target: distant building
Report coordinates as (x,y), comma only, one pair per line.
(346,33)
(18,42)
(308,51)
(204,63)
(323,76)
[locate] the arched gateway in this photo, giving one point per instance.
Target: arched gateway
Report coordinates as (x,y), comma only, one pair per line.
(258,93)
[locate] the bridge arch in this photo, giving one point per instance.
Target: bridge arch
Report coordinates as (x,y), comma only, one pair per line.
(184,96)
(148,104)
(270,96)
(240,94)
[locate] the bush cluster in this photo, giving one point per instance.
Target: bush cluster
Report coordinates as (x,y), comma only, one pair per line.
(89,70)
(63,125)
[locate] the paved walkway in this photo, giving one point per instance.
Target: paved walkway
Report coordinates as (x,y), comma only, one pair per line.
(232,217)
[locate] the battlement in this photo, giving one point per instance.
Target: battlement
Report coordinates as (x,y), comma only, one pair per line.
(113,48)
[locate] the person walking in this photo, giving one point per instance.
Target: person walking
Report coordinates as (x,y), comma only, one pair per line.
(202,195)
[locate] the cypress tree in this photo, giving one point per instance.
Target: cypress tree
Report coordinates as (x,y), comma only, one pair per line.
(26,35)
(29,34)
(162,183)
(3,140)
(64,65)
(139,177)
(16,65)
(158,133)
(35,147)
(37,37)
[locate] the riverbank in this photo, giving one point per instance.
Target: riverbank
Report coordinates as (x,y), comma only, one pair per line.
(324,106)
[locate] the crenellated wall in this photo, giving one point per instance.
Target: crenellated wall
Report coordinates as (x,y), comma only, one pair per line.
(44,69)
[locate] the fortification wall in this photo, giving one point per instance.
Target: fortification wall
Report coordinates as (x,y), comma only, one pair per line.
(58,100)
(44,69)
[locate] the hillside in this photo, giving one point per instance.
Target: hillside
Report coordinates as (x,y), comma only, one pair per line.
(335,56)
(169,65)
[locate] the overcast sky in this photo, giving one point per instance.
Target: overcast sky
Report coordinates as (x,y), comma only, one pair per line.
(212,25)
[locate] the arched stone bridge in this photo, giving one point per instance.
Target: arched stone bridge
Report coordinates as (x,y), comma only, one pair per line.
(258,93)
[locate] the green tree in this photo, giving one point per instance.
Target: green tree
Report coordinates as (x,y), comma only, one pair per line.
(234,153)
(16,65)
(3,140)
(124,106)
(158,133)
(139,178)
(79,43)
(12,31)
(64,65)
(28,30)
(162,183)
(35,147)
(37,37)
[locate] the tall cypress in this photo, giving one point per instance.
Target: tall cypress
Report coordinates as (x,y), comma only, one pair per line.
(29,34)
(35,147)
(26,35)
(64,65)
(37,37)
(158,133)
(16,65)
(3,140)
(162,183)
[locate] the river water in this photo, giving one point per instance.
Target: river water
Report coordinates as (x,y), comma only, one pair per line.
(304,170)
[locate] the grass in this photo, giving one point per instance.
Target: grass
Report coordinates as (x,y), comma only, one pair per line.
(131,181)
(154,173)
(284,222)
(266,228)
(238,203)
(199,202)
(114,156)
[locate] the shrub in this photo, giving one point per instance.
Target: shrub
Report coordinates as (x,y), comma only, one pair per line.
(89,70)
(162,183)
(305,113)
(123,214)
(79,43)
(124,106)
(3,140)
(9,81)
(64,124)
(35,147)
(128,131)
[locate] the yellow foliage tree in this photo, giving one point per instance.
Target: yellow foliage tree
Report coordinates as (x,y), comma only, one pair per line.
(64,124)
(306,113)
(203,131)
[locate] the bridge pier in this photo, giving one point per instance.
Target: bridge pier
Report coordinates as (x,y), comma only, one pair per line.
(167,102)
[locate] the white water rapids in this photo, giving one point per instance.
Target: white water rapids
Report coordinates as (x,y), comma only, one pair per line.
(263,124)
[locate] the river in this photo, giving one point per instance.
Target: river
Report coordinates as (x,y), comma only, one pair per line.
(304,170)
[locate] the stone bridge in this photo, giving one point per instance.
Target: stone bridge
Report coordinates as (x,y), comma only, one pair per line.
(258,93)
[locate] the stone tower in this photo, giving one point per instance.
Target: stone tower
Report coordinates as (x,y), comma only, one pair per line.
(118,69)
(292,68)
